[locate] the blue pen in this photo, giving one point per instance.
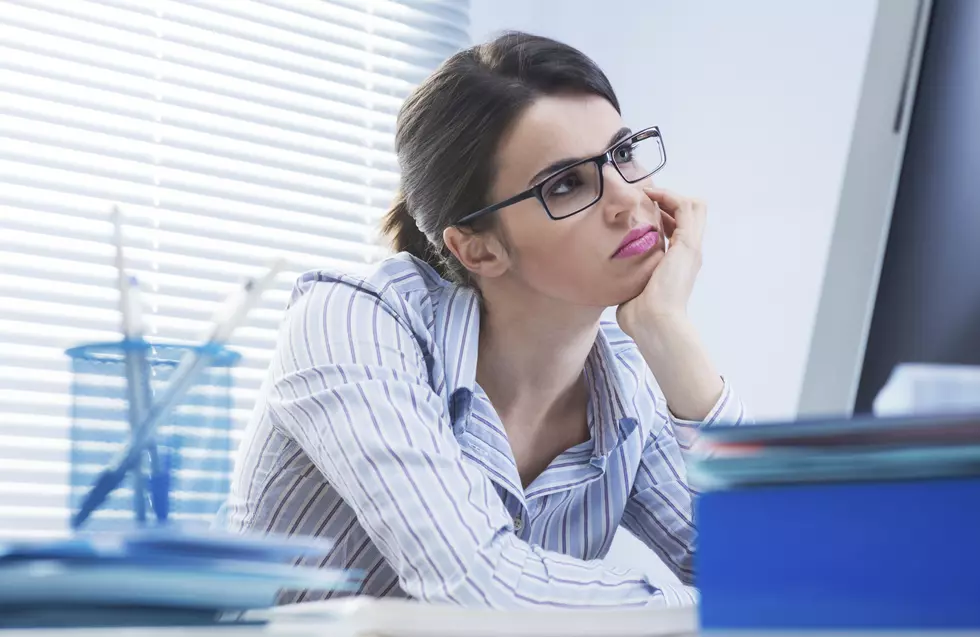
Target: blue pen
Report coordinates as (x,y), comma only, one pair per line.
(139,391)
(159,473)
(137,384)
(229,317)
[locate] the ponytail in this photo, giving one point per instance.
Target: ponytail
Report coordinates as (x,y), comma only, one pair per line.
(404,235)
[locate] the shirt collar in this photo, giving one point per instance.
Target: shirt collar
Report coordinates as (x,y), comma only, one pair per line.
(458,332)
(612,412)
(458,335)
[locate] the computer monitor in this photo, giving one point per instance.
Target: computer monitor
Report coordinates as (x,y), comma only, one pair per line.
(927,306)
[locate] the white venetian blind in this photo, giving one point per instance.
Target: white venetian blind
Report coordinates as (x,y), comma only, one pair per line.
(229,131)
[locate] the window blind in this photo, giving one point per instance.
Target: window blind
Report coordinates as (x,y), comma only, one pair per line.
(228,132)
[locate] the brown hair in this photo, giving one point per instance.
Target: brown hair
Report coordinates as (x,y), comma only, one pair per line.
(449,128)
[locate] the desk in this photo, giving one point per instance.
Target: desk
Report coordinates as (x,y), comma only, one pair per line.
(364,617)
(367,617)
(339,631)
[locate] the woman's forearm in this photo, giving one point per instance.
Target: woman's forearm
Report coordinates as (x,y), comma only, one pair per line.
(675,354)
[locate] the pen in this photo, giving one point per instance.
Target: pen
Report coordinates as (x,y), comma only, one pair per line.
(130,307)
(228,318)
(159,474)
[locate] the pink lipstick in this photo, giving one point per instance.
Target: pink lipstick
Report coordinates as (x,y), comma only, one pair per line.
(637,241)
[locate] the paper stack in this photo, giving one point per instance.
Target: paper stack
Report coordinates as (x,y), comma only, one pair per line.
(867,448)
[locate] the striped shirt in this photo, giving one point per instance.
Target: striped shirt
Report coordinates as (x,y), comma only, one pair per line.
(371,430)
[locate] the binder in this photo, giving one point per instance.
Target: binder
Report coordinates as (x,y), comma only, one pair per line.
(900,551)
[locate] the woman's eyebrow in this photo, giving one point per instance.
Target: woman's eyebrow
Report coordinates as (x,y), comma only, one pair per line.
(555,166)
(620,135)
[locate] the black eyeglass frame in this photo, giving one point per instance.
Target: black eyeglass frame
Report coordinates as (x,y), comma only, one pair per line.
(599,160)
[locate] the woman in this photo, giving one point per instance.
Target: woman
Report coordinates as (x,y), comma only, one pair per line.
(461,421)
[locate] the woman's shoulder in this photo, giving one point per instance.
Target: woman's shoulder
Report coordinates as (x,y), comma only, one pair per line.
(400,274)
(401,285)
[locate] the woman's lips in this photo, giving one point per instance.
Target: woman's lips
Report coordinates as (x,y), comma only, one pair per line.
(637,241)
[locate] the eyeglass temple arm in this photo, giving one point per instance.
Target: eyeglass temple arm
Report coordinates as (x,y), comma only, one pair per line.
(527,194)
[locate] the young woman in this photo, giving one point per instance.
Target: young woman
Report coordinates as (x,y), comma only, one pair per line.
(462,422)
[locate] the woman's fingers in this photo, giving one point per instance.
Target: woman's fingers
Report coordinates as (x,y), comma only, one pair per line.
(668,201)
(680,213)
(669,223)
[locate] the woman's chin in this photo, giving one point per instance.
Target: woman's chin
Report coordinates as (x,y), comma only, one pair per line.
(655,257)
(630,286)
(643,267)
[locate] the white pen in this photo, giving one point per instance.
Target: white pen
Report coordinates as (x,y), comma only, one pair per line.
(232,312)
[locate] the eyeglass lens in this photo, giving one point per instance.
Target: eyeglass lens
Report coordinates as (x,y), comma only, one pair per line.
(578,187)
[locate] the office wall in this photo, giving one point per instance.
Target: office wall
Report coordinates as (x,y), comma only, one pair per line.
(757,102)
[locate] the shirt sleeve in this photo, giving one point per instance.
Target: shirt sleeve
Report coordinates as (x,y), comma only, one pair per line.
(660,507)
(728,411)
(351,386)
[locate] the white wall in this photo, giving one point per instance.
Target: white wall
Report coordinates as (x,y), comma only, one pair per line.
(756,100)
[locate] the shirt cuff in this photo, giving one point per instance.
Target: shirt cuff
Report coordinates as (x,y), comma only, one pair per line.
(727,411)
(674,596)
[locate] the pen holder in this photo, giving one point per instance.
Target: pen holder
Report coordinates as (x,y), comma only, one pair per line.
(186,475)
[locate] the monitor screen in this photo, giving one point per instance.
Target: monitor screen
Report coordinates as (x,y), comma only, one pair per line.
(927,307)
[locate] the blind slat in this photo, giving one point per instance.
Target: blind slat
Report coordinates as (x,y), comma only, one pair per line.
(139,160)
(183,231)
(184,44)
(258,23)
(309,172)
(26,164)
(339,140)
(195,69)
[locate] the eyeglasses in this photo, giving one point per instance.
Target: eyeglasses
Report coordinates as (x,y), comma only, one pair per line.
(574,188)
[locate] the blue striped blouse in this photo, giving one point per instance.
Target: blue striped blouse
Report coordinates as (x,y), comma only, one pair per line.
(371,430)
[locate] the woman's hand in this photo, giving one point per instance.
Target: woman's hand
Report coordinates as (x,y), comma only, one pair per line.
(667,292)
(657,318)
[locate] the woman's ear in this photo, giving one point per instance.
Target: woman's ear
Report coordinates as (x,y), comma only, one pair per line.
(482,253)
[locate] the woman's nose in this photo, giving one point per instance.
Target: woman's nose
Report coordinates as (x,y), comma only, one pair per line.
(618,196)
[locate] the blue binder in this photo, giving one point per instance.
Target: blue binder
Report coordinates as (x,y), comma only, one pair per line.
(898,554)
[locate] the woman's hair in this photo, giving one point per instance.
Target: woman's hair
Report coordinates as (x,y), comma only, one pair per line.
(449,129)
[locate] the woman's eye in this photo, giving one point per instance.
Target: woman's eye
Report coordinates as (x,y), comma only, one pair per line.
(564,185)
(624,154)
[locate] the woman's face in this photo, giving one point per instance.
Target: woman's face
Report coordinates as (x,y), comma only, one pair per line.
(574,259)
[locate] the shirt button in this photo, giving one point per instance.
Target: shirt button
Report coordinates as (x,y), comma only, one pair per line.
(518,524)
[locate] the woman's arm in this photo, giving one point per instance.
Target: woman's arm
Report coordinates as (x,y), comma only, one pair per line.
(659,511)
(657,318)
(672,350)
(351,387)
